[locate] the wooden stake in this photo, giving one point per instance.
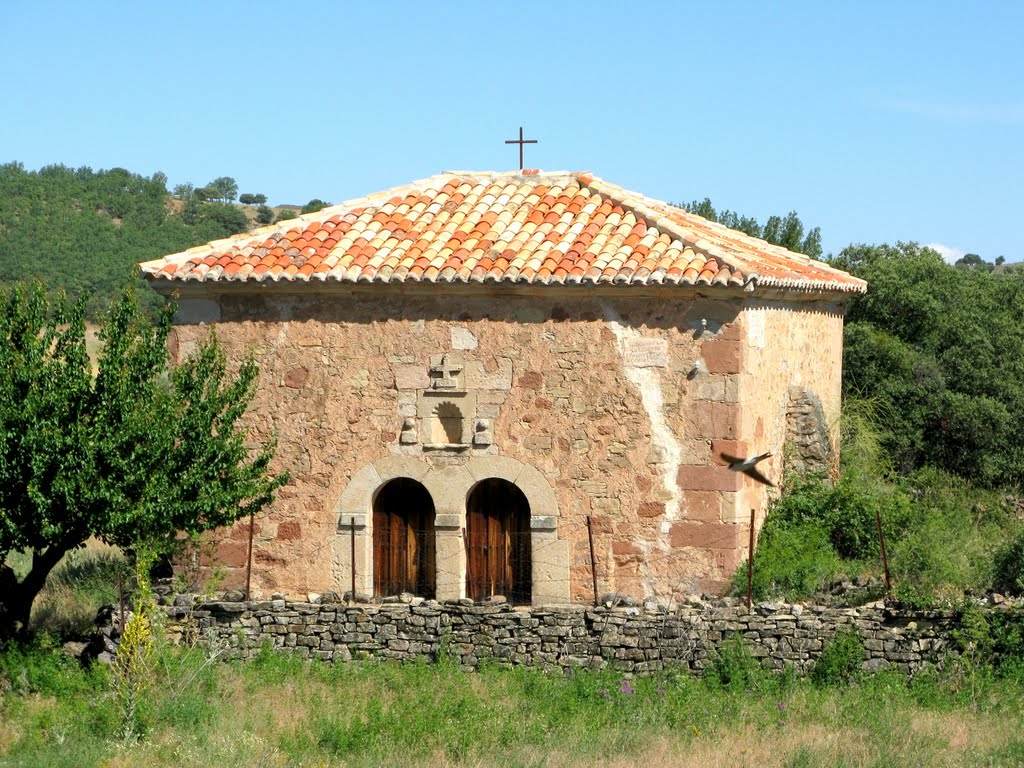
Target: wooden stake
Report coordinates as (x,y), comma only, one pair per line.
(885,557)
(593,560)
(750,560)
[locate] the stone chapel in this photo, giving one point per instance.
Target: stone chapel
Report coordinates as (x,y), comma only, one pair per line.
(462,370)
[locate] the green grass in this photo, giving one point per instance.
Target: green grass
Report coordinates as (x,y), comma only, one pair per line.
(283,711)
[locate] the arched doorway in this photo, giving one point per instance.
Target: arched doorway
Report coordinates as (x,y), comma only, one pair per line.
(403,539)
(498,542)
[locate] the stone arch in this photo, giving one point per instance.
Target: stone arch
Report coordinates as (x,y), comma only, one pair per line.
(355,519)
(449,487)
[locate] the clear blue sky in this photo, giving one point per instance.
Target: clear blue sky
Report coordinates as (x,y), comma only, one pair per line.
(876,121)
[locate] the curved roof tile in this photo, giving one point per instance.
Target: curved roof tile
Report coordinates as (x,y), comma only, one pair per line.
(534,228)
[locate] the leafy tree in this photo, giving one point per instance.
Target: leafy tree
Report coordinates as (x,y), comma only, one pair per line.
(135,454)
(974,261)
(184,191)
(223,188)
(226,218)
(264,214)
(259,199)
(247,199)
(786,231)
(314,205)
(941,349)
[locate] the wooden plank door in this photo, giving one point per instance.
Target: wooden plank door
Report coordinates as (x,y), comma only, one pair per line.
(403,540)
(498,546)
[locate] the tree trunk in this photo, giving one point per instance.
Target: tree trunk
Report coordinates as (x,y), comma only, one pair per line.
(17,597)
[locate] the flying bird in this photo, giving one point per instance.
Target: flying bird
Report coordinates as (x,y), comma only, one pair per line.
(749,467)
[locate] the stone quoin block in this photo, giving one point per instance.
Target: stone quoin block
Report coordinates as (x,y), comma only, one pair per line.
(705,535)
(625,549)
(736,448)
(232,553)
(704,478)
(710,419)
(722,356)
(703,506)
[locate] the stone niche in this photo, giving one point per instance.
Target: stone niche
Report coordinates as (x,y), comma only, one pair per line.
(446,417)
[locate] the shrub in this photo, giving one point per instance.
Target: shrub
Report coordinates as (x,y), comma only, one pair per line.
(841,661)
(949,544)
(793,560)
(847,511)
(734,667)
(265,214)
(1009,568)
(314,205)
(42,667)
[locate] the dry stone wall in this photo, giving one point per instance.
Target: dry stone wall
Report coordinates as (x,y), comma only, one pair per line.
(632,639)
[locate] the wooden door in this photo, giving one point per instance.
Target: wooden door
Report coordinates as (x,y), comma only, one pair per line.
(403,540)
(498,542)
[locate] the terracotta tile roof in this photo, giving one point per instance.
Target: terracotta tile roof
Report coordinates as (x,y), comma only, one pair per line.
(529,227)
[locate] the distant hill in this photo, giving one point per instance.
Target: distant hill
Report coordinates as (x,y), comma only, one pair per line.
(1008,268)
(83,231)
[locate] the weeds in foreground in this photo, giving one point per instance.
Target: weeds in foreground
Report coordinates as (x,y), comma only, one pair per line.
(284,710)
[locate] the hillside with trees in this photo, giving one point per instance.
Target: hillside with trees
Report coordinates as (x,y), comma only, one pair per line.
(83,231)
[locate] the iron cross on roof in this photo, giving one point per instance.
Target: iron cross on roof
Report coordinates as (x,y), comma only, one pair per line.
(520,141)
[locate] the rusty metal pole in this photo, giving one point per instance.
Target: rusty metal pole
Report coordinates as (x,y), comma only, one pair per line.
(593,560)
(352,540)
(885,557)
(248,561)
(750,560)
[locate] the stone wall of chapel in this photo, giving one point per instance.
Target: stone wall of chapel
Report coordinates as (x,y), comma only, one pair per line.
(618,402)
(793,356)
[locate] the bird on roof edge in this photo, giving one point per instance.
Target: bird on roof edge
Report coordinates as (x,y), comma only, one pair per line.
(748,466)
